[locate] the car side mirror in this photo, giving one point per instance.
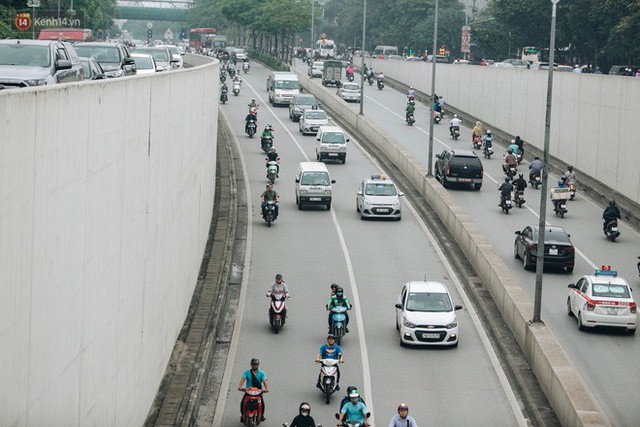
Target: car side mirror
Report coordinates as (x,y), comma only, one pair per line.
(129,61)
(63,64)
(458,307)
(398,305)
(297,181)
(359,192)
(347,140)
(400,193)
(317,139)
(333,181)
(100,77)
(572,285)
(438,156)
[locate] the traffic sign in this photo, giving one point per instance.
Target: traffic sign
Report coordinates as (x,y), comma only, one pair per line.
(149,25)
(23,21)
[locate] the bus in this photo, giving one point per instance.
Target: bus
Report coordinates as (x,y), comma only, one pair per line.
(530,53)
(325,48)
(66,34)
(384,51)
(199,38)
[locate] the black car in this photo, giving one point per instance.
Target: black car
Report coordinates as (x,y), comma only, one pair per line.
(115,58)
(92,69)
(299,103)
(558,249)
(459,167)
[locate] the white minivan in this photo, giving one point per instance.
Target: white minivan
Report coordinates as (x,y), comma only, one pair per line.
(331,144)
(282,87)
(313,185)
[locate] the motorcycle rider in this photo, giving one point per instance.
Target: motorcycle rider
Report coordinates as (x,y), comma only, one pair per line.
(370,75)
(510,161)
(272,156)
(610,212)
(252,104)
(267,196)
(477,131)
(339,300)
(279,286)
(520,143)
(411,93)
(237,79)
(253,377)
(350,70)
(380,77)
(513,147)
(334,287)
(535,168)
(247,119)
(569,176)
(223,90)
(519,184)
(267,132)
(303,419)
(505,190)
(330,350)
(402,419)
(411,108)
(354,410)
(455,122)
(346,398)
(487,140)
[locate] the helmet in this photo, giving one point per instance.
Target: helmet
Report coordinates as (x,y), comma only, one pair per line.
(403,406)
(612,203)
(506,179)
(513,141)
(410,87)
(510,151)
(253,100)
(520,175)
(273,149)
(331,336)
(350,389)
(278,276)
(334,286)
(570,168)
(488,132)
(536,158)
(304,407)
(354,393)
(455,116)
(255,361)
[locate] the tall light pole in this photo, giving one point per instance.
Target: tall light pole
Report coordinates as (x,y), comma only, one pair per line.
(537,303)
(433,91)
(364,35)
(313,23)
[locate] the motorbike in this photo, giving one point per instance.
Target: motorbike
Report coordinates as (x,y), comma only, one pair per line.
(232,72)
(350,77)
(370,80)
(518,198)
(535,181)
(410,119)
(252,413)
(223,96)
(245,67)
(506,204)
(437,117)
(347,423)
(254,111)
(329,377)
(277,310)
(380,84)
(511,172)
(272,170)
(572,188)
(266,143)
(477,142)
(611,229)
(519,158)
(269,212)
(338,322)
(236,88)
(223,77)
(455,132)
(287,425)
(560,207)
(488,151)
(251,128)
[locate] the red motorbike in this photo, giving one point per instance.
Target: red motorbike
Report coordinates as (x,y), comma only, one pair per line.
(277,310)
(252,406)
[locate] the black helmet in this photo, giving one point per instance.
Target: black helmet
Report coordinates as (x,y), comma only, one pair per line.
(278,276)
(506,179)
(334,286)
(536,158)
(255,361)
(331,336)
(510,151)
(339,291)
(570,168)
(612,203)
(520,175)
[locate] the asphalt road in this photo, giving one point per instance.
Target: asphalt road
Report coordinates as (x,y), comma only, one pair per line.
(371,260)
(607,359)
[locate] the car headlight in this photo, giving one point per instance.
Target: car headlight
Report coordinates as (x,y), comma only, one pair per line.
(452,324)
(303,192)
(408,324)
(36,82)
(114,73)
(328,192)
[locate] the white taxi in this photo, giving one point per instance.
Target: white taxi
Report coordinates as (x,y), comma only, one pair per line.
(603,299)
(378,197)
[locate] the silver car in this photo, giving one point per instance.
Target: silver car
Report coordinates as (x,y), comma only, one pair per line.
(378,197)
(349,91)
(311,120)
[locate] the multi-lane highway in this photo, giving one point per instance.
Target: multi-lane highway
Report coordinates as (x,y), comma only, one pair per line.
(371,259)
(606,359)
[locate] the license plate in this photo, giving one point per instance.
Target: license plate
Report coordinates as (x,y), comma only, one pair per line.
(612,311)
(465,180)
(333,154)
(384,210)
(614,228)
(425,335)
(553,252)
(314,199)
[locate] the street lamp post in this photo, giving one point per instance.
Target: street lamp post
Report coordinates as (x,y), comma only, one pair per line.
(313,23)
(364,34)
(537,303)
(433,91)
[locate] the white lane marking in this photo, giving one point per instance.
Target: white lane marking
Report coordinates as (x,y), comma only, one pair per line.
(366,371)
(578,251)
(233,347)
(502,378)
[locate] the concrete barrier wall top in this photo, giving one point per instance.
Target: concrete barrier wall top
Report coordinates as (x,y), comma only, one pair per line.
(592,115)
(106,195)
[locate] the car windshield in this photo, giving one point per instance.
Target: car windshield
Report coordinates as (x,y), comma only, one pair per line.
(315,178)
(463,160)
(428,301)
(305,101)
(86,68)
(553,236)
(351,86)
(21,54)
(160,55)
(286,84)
(143,62)
(380,189)
(314,114)
(333,137)
(318,64)
(609,290)
(108,54)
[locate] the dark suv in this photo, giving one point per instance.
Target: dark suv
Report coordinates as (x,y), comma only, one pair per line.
(25,63)
(459,166)
(115,58)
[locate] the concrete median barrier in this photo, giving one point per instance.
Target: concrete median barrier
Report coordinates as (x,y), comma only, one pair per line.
(571,399)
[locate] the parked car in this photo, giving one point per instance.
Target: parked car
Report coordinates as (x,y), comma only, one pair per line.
(459,167)
(558,249)
(161,54)
(378,197)
(301,102)
(426,315)
(311,120)
(92,69)
(145,64)
(25,63)
(350,91)
(114,58)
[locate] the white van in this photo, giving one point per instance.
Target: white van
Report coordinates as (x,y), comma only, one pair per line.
(313,185)
(282,87)
(331,144)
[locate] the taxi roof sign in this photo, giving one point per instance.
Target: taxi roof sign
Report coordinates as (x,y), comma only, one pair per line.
(606,271)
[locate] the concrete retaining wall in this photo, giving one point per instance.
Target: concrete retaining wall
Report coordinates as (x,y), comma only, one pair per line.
(593,116)
(106,194)
(565,389)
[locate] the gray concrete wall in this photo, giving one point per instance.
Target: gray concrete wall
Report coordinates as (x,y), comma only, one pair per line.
(106,194)
(571,399)
(593,116)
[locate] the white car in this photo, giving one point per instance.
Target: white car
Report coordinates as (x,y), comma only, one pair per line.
(311,120)
(378,197)
(241,55)
(145,64)
(315,69)
(603,299)
(176,56)
(426,315)
(349,91)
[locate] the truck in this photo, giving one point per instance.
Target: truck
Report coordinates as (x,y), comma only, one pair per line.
(332,73)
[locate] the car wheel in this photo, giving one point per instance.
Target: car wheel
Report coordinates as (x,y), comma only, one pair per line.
(631,331)
(580,325)
(569,312)
(329,206)
(402,343)
(569,270)
(317,157)
(525,260)
(455,345)
(397,325)
(357,208)
(516,255)
(477,187)
(445,184)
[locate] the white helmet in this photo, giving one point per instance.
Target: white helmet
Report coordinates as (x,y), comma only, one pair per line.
(455,116)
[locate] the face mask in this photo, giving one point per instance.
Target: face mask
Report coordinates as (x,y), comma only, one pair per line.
(305,413)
